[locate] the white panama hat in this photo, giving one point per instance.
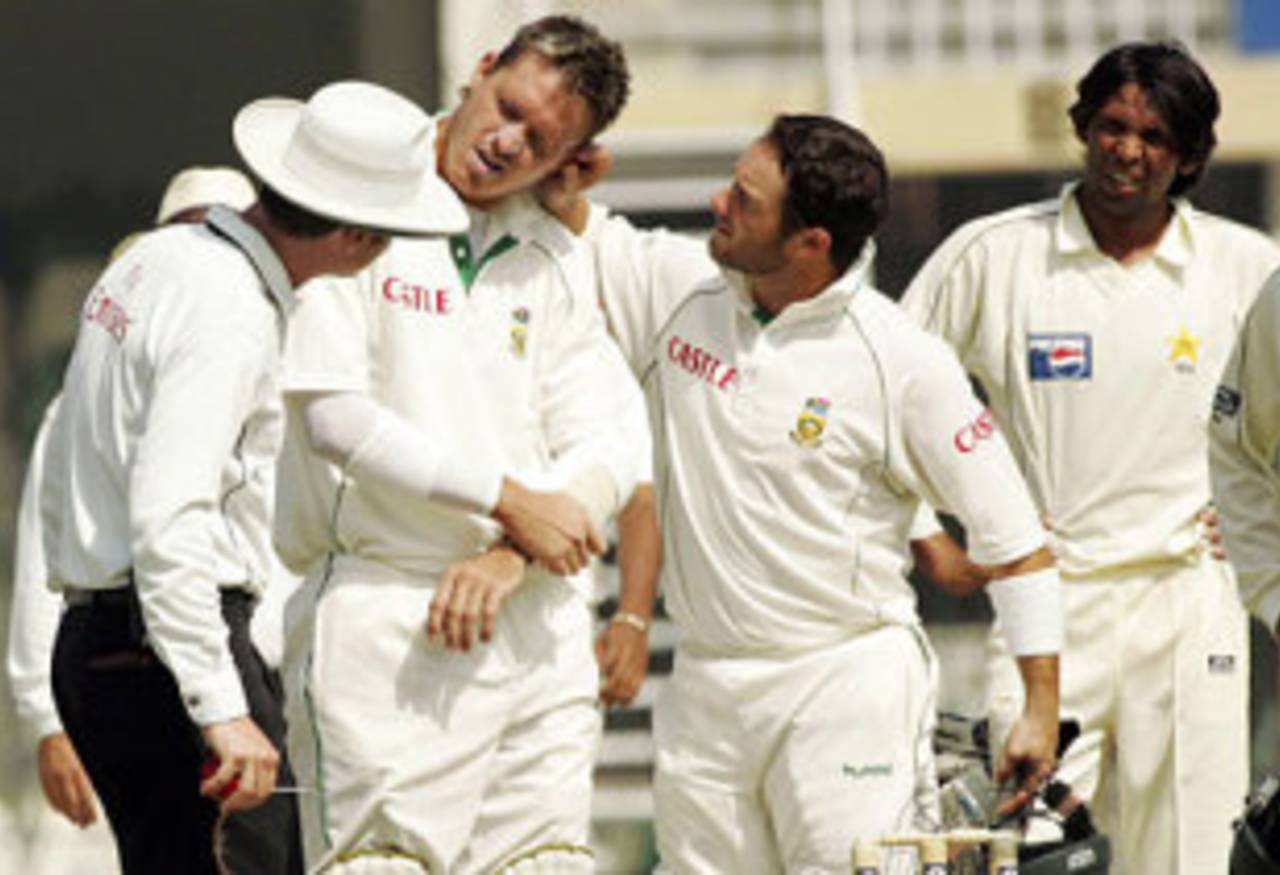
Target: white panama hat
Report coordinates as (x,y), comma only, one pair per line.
(356,153)
(204,187)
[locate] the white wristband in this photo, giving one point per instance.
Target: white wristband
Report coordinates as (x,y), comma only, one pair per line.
(1030,610)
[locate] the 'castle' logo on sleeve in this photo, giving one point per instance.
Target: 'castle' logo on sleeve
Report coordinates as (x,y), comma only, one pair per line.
(102,310)
(701,363)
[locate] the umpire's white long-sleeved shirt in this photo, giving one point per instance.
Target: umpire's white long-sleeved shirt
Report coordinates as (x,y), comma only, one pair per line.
(35,611)
(1100,374)
(1244,456)
(160,458)
(791,456)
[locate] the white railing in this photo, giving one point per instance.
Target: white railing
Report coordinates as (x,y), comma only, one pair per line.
(898,35)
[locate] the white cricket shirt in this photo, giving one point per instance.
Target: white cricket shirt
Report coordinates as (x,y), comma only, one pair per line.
(1101,374)
(1244,456)
(160,457)
(511,370)
(35,610)
(790,456)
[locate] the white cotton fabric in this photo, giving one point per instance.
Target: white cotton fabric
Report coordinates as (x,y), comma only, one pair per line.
(160,458)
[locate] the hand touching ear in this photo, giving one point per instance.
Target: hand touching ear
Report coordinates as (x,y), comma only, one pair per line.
(561,193)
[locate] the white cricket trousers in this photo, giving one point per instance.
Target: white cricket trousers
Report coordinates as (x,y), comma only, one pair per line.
(452,761)
(767,765)
(1156,669)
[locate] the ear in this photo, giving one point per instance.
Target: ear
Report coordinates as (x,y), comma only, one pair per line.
(1187,168)
(813,242)
(484,66)
(359,242)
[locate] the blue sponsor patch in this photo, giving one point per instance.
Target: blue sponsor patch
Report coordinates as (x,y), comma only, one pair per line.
(1060,356)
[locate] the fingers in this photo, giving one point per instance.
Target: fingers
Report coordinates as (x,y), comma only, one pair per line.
(489,615)
(570,559)
(1036,775)
(249,785)
(1032,771)
(454,609)
(76,799)
(242,767)
(60,790)
(83,809)
(622,666)
(440,604)
(467,617)
(595,541)
(64,781)
(218,775)
(591,163)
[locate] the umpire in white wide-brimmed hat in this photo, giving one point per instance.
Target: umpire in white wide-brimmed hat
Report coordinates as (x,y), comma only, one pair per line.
(159,470)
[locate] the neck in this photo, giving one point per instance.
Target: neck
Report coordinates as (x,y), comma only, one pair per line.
(1125,238)
(789,284)
(297,254)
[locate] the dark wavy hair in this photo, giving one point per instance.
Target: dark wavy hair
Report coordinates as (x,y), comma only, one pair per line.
(1177,87)
(295,219)
(595,67)
(836,180)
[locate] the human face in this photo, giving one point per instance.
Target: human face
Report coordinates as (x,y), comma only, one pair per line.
(748,232)
(516,125)
(1130,157)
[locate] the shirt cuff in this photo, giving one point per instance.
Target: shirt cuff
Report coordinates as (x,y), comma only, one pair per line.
(42,725)
(925,523)
(216,699)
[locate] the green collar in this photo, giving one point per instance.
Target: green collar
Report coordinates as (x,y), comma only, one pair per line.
(468,266)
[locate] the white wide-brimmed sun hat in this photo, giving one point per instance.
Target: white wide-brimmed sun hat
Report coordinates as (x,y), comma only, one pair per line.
(357,153)
(203,187)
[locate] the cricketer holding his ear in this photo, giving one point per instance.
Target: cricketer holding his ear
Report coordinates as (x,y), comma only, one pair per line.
(443,689)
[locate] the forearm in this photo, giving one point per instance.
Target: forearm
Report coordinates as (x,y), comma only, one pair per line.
(945,563)
(639,553)
(1040,686)
(371,443)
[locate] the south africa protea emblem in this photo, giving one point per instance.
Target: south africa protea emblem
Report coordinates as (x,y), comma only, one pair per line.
(811,422)
(519,330)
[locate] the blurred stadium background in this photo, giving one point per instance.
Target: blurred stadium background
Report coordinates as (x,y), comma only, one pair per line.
(966,97)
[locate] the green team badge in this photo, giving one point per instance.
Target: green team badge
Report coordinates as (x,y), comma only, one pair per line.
(811,422)
(519,330)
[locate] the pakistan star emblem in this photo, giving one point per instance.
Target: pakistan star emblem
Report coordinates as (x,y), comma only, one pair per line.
(811,422)
(519,330)
(1184,351)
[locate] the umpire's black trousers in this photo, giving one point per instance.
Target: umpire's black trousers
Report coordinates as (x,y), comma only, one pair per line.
(121,708)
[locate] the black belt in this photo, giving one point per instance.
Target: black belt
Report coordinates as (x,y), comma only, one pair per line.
(116,597)
(124,596)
